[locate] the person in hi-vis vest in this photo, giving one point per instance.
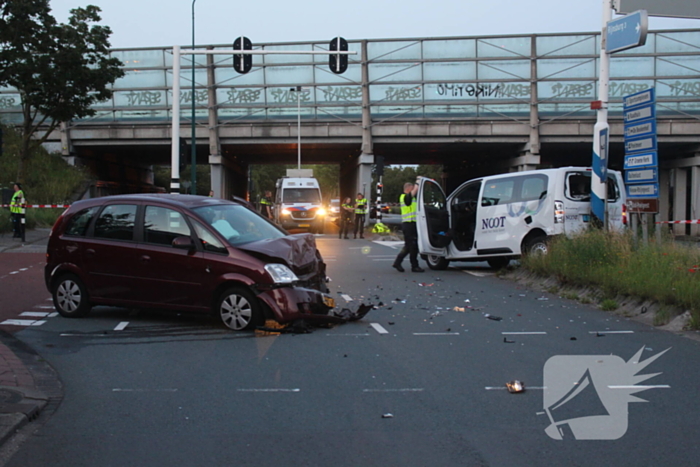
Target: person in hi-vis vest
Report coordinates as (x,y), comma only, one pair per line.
(360,212)
(409,206)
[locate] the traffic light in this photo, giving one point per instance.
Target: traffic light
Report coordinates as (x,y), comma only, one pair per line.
(242,63)
(338,63)
(379,163)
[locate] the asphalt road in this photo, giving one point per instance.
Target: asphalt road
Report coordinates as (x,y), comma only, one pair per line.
(419,381)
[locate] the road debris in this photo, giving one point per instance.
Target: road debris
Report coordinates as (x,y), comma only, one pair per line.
(387,415)
(492,317)
(515,386)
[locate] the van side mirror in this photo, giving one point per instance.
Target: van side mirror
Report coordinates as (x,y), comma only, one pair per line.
(183,243)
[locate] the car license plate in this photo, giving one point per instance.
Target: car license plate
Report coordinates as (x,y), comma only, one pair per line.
(304,225)
(329,301)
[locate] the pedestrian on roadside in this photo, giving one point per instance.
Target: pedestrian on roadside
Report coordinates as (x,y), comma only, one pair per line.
(360,212)
(266,205)
(211,193)
(18,205)
(409,206)
(346,212)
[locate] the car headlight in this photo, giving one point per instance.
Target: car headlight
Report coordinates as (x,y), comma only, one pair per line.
(321,212)
(280,273)
(285,212)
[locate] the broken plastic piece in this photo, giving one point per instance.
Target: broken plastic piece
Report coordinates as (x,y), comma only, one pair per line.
(493,318)
(458,308)
(505,339)
(515,386)
(387,415)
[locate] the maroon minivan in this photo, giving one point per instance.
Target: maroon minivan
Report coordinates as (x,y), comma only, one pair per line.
(184,253)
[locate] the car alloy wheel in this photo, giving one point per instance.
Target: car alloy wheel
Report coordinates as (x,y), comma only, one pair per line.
(238,309)
(70,298)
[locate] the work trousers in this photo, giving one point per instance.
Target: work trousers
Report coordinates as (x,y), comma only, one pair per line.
(360,225)
(410,246)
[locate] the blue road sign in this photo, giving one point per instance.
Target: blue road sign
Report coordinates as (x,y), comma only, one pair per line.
(637,114)
(649,190)
(626,32)
(646,175)
(641,128)
(637,161)
(648,96)
(645,143)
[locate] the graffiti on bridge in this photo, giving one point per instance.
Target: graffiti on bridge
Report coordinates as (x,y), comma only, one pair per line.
(243,96)
(7,102)
(341,93)
(478,90)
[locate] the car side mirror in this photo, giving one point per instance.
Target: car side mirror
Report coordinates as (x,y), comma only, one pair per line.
(183,243)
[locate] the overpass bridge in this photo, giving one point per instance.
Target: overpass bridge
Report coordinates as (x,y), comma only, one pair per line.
(476,105)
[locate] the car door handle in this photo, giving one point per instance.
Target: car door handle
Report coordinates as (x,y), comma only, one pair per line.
(145,259)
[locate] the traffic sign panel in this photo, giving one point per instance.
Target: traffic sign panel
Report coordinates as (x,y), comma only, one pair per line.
(650,190)
(640,113)
(645,143)
(645,205)
(626,32)
(642,128)
(648,96)
(636,161)
(646,175)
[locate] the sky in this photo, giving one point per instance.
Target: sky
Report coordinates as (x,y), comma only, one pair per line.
(155,23)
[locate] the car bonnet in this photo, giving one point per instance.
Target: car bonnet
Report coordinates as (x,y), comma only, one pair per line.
(296,251)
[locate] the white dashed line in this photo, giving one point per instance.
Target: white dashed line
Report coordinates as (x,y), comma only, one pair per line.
(349,335)
(611,332)
(35,314)
(270,390)
(479,274)
(395,390)
(143,390)
(503,388)
(121,326)
(53,315)
(23,322)
(378,327)
(524,333)
(658,386)
(346,297)
(44,307)
(436,334)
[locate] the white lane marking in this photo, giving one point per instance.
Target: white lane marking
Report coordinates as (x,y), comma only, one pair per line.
(436,334)
(392,244)
(378,327)
(352,335)
(479,274)
(23,269)
(658,386)
(270,390)
(121,326)
(143,390)
(503,388)
(347,297)
(395,390)
(384,259)
(53,315)
(14,272)
(49,299)
(610,332)
(524,333)
(23,322)
(44,307)
(35,314)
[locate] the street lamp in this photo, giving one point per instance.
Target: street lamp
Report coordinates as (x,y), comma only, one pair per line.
(194,139)
(298,90)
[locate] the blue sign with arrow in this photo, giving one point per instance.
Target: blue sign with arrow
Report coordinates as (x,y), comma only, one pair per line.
(626,32)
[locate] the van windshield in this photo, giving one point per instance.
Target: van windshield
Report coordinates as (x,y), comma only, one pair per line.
(301,195)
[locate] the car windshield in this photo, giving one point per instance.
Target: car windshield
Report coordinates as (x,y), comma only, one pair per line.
(239,225)
(301,195)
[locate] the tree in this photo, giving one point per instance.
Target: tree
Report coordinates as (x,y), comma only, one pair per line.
(59,70)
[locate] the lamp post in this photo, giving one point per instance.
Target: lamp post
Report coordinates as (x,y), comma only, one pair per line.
(194,139)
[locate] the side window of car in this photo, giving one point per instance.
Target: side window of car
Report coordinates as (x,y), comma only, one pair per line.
(78,224)
(208,241)
(116,222)
(498,192)
(534,187)
(162,225)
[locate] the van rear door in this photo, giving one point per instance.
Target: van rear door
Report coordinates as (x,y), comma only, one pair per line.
(433,219)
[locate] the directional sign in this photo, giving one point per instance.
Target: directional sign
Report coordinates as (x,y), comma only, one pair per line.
(644,205)
(636,161)
(640,113)
(639,98)
(641,128)
(646,143)
(650,190)
(647,175)
(626,32)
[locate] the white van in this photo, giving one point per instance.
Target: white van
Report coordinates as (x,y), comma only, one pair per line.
(298,204)
(500,217)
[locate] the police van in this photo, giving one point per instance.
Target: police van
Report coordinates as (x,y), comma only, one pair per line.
(500,217)
(298,204)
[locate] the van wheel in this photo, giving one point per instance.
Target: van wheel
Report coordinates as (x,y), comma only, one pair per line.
(239,309)
(498,263)
(70,297)
(436,262)
(536,246)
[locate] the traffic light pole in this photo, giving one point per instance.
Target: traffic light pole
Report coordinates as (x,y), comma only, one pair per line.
(175,132)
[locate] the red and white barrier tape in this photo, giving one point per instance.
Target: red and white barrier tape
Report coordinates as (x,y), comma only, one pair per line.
(39,205)
(697,221)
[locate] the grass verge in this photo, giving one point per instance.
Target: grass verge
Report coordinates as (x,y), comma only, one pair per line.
(665,272)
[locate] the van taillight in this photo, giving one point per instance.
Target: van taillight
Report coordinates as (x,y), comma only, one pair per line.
(624,214)
(558,212)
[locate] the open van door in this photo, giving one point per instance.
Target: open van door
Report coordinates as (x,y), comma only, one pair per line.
(433,219)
